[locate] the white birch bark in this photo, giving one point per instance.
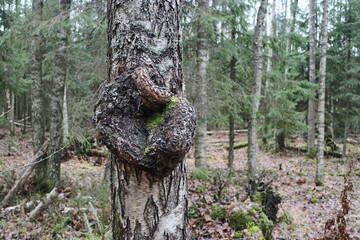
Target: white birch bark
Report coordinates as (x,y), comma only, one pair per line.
(144,39)
(320,165)
(256,91)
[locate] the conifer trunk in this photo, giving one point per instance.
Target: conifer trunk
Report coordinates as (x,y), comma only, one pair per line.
(346,130)
(319,178)
(231,142)
(145,121)
(312,78)
(232,117)
(201,104)
(256,91)
(37,105)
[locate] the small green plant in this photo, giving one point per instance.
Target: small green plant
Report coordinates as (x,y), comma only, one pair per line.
(237,235)
(284,219)
(252,230)
(61,225)
(218,212)
(193,212)
(239,220)
(311,155)
(203,175)
(357,173)
(314,200)
(4,123)
(201,189)
(102,232)
(266,226)
(301,173)
(257,197)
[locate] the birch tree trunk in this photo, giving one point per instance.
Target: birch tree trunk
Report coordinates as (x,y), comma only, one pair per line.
(145,121)
(256,91)
(319,177)
(312,78)
(201,104)
(65,117)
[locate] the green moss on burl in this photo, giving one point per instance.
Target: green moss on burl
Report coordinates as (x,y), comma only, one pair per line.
(155,120)
(149,149)
(159,117)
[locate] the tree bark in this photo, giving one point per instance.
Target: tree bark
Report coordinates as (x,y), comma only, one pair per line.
(45,202)
(231,142)
(65,117)
(37,88)
(256,91)
(312,78)
(51,167)
(319,177)
(346,130)
(201,104)
(145,121)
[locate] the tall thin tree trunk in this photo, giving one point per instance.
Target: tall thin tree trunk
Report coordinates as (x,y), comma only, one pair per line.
(319,178)
(346,130)
(231,142)
(312,78)
(201,104)
(294,7)
(52,170)
(256,91)
(65,117)
(272,34)
(145,121)
(232,117)
(37,105)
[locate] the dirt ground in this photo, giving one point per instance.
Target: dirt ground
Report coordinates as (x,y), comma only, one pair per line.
(83,213)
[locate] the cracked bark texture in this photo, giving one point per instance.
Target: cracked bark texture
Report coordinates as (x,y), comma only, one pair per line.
(37,105)
(145,121)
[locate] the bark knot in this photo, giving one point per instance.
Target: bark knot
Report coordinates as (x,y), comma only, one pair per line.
(144,124)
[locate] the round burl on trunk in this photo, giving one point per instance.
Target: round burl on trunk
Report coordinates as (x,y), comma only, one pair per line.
(143,124)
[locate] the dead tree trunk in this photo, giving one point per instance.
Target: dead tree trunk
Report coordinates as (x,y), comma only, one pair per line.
(145,121)
(21,181)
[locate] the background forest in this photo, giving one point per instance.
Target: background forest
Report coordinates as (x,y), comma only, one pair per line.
(255,140)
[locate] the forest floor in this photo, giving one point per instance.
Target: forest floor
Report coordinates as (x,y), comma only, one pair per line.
(215,196)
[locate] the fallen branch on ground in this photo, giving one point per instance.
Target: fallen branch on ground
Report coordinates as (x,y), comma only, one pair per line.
(21,181)
(45,202)
(326,153)
(239,145)
(227,132)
